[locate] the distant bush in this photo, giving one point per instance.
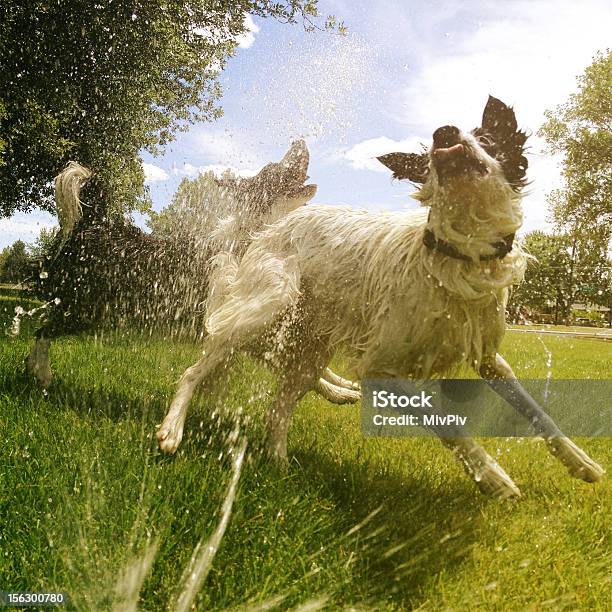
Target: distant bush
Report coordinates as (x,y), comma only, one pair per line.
(14,263)
(590,318)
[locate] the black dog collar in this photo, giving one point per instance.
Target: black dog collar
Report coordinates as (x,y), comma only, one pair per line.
(502,247)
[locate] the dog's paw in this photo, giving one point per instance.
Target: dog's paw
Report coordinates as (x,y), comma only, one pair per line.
(336,394)
(350,384)
(279,465)
(276,453)
(351,396)
(339,395)
(169,436)
(494,482)
(41,373)
(577,462)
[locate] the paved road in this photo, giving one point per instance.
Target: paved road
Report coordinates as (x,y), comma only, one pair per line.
(602,335)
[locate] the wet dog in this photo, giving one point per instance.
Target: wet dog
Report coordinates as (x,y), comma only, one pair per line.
(105,271)
(406,294)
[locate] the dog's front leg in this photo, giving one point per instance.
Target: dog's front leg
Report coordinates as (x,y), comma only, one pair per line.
(170,433)
(37,362)
(333,378)
(336,394)
(278,418)
(488,475)
(501,379)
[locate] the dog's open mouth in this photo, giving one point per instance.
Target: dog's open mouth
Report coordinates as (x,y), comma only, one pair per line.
(302,191)
(444,152)
(456,160)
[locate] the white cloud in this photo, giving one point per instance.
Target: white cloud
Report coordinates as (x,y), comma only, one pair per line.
(362,156)
(528,53)
(248,38)
(153,173)
(24,226)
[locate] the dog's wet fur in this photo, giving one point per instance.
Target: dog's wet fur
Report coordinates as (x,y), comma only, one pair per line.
(107,272)
(412,294)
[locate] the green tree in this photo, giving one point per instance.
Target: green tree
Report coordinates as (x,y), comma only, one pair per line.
(546,276)
(565,269)
(100,81)
(591,272)
(196,207)
(16,264)
(45,244)
(581,130)
(3,255)
(2,142)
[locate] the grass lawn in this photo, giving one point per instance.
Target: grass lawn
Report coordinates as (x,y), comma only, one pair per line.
(372,523)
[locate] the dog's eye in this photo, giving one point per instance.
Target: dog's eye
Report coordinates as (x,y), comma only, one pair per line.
(487,143)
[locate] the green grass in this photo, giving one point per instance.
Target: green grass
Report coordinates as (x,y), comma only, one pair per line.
(83,488)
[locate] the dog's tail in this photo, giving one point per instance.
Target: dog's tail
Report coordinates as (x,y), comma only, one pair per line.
(224,267)
(68,185)
(246,295)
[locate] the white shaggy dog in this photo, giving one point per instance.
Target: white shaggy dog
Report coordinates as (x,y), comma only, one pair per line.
(406,294)
(220,218)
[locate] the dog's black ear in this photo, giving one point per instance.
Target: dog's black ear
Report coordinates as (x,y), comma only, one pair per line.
(498,118)
(411,166)
(507,141)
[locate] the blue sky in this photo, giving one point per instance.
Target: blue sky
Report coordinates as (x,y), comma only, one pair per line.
(404,69)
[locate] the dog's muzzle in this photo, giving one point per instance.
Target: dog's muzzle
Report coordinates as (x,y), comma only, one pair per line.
(451,157)
(446,137)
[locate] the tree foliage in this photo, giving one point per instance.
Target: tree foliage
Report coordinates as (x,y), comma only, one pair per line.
(581,129)
(100,81)
(15,263)
(45,244)
(545,277)
(565,269)
(2,142)
(196,207)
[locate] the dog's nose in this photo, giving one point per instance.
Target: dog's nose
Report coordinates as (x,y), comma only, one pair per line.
(446,136)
